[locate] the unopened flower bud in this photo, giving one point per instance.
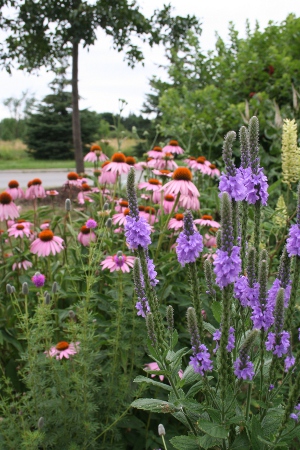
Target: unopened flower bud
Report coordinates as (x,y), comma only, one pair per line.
(161,430)
(13,289)
(8,289)
(54,287)
(106,206)
(40,423)
(119,253)
(108,223)
(72,315)
(47,298)
(25,289)
(68,204)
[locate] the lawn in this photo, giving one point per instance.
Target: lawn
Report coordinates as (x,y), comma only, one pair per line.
(13,155)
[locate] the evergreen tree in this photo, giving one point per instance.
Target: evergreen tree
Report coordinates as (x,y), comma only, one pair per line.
(49,129)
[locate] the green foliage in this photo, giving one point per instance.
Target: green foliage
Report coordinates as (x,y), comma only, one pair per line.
(49,129)
(211,93)
(11,129)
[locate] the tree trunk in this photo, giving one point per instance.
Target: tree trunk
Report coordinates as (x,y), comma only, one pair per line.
(75,115)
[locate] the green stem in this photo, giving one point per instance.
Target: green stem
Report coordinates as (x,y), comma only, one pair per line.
(249,392)
(257,234)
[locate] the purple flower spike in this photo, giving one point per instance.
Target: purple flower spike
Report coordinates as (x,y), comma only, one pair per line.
(227,266)
(38,279)
(289,362)
(256,186)
(231,339)
(152,272)
(233,185)
(244,369)
(293,241)
(142,307)
(189,247)
(279,346)
(137,232)
(201,361)
(294,417)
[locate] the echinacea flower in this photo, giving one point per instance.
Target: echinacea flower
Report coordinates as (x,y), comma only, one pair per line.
(14,190)
(149,214)
(63,350)
(107,177)
(164,173)
(122,205)
(156,152)
(95,154)
(118,164)
(35,190)
(209,241)
(47,243)
(38,279)
(181,183)
(86,236)
(207,221)
(168,203)
(118,262)
(173,147)
(73,179)
(52,193)
(8,209)
(121,217)
(151,185)
(214,172)
(22,265)
(189,202)
(201,164)
(19,230)
(176,223)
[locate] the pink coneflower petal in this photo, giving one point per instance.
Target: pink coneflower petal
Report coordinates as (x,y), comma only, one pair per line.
(207,221)
(47,243)
(90,157)
(22,265)
(8,209)
(19,230)
(173,147)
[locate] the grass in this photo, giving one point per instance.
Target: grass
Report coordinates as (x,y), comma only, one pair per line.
(13,156)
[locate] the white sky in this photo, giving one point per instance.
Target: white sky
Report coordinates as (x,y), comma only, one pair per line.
(103,75)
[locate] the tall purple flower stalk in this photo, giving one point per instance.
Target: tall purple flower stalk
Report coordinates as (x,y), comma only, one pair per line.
(142,305)
(278,341)
(189,241)
(228,262)
(232,181)
(243,367)
(137,229)
(200,361)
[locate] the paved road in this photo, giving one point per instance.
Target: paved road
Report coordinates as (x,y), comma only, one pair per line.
(50,177)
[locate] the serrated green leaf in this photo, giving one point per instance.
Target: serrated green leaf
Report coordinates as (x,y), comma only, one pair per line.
(185,443)
(154,405)
(207,442)
(141,379)
(271,422)
(213,429)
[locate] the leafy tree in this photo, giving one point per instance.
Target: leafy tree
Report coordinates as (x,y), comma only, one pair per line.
(49,128)
(48,30)
(211,93)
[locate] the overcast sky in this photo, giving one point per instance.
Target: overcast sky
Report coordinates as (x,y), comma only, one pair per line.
(103,75)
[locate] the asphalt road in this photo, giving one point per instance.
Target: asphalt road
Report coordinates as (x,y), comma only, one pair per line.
(51,178)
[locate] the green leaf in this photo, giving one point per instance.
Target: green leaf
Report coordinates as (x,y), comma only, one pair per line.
(256,431)
(213,429)
(151,404)
(272,444)
(208,441)
(141,379)
(241,442)
(217,311)
(209,327)
(185,443)
(271,422)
